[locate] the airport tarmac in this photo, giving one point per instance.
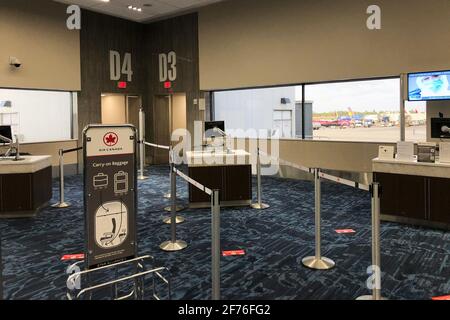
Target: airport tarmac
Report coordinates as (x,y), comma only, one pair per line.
(376,134)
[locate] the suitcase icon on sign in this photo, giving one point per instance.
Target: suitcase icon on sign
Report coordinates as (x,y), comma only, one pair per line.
(121,182)
(100,181)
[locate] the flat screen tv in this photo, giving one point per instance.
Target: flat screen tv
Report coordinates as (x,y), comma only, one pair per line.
(426,86)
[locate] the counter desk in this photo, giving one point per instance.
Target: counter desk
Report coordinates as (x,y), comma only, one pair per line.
(25,186)
(414,192)
(230,172)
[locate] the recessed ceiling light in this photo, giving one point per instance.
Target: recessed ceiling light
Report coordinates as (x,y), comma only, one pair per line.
(131,7)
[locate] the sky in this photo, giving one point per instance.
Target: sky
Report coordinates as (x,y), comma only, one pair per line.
(360,96)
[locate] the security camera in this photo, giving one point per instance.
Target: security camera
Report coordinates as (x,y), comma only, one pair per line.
(13,61)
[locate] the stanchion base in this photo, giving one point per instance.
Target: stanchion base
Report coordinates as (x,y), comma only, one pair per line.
(173,246)
(369,297)
(169,209)
(60,205)
(318,264)
(142,177)
(261,206)
(179,219)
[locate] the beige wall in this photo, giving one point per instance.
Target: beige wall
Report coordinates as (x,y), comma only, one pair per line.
(114,109)
(179,111)
(269,42)
(36,33)
(331,155)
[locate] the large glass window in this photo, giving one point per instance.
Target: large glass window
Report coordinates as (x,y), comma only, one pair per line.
(37,116)
(356,110)
(246,112)
(360,110)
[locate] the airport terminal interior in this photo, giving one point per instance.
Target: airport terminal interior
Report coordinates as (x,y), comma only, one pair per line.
(224,150)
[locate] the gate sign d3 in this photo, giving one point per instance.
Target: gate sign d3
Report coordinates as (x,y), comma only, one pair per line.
(110,197)
(167,66)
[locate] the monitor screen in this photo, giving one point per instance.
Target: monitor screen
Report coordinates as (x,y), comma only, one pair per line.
(209,128)
(6,132)
(427,86)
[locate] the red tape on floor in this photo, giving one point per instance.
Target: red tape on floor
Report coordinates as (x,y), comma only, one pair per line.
(230,253)
(345,231)
(441,298)
(69,257)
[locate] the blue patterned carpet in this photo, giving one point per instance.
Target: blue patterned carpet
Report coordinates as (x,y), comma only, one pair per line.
(415,261)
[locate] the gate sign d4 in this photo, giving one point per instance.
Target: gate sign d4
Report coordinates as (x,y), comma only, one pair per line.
(110,194)
(117,67)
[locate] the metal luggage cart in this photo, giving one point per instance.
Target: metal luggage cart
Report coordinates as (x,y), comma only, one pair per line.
(83,285)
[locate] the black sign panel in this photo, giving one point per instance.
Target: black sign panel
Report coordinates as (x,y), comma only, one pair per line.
(110,195)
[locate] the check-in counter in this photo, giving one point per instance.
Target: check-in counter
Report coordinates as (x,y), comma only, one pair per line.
(230,172)
(414,192)
(25,186)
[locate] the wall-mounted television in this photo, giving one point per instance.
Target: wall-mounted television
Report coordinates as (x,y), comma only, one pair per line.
(426,86)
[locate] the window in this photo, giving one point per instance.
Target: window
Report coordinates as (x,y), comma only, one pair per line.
(246,112)
(360,110)
(366,110)
(38,116)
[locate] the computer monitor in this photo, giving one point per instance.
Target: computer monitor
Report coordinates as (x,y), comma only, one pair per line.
(6,132)
(426,86)
(209,128)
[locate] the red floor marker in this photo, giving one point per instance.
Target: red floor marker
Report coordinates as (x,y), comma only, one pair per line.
(441,298)
(344,231)
(233,253)
(69,257)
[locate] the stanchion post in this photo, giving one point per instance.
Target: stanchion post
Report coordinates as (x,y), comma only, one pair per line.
(179,219)
(376,251)
(259,205)
(141,176)
(215,244)
(318,262)
(62,203)
(173,244)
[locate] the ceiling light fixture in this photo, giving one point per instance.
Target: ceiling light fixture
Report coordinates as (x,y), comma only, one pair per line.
(130,7)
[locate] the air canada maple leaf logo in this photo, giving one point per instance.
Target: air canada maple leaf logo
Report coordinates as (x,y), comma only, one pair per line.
(110,139)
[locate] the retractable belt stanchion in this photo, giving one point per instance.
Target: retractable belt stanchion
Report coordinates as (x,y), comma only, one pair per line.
(215,245)
(62,203)
(259,205)
(141,176)
(376,254)
(318,262)
(173,244)
(179,219)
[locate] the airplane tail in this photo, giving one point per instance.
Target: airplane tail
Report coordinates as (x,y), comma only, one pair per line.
(350,112)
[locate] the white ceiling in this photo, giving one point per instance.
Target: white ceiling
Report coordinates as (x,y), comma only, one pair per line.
(158,8)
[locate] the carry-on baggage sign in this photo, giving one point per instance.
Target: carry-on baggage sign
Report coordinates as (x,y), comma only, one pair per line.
(110,194)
